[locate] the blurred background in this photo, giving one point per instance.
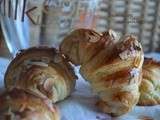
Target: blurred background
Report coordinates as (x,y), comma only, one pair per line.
(26,23)
(4,52)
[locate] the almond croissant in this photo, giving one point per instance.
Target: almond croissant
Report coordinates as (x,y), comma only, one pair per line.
(42,71)
(150,85)
(20,105)
(83,44)
(112,68)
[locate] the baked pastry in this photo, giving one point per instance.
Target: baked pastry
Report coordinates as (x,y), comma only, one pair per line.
(20,105)
(83,44)
(113,70)
(42,71)
(150,85)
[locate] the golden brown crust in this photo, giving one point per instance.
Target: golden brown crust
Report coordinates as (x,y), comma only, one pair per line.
(150,85)
(121,71)
(18,104)
(114,70)
(83,44)
(42,71)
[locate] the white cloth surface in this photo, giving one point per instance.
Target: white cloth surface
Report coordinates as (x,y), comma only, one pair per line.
(81,104)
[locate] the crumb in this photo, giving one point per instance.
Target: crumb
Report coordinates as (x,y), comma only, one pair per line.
(127,54)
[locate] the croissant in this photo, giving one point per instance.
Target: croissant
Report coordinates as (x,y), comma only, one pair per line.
(20,105)
(83,44)
(43,72)
(112,68)
(150,85)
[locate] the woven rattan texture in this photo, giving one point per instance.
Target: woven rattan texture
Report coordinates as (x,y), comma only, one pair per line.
(139,17)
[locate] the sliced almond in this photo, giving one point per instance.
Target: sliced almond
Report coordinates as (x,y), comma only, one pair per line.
(113,34)
(23,107)
(93,37)
(57,58)
(43,64)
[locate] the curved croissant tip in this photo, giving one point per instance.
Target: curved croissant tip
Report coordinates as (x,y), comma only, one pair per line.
(151,61)
(112,34)
(129,42)
(133,40)
(18,103)
(23,51)
(130,37)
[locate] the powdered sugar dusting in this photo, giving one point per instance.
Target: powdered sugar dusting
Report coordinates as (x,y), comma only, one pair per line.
(135,72)
(127,54)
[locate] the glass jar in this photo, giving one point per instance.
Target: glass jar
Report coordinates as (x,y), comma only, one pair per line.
(27,23)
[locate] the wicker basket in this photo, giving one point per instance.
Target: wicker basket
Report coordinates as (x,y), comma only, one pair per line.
(139,17)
